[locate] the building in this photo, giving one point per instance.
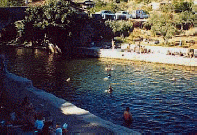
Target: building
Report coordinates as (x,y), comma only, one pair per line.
(156,5)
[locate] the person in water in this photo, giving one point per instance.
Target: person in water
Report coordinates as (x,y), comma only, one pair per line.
(127,117)
(109,75)
(110,89)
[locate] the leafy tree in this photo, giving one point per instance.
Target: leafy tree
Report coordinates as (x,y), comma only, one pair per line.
(7,3)
(166,8)
(114,7)
(120,27)
(48,22)
(184,19)
(3,3)
(162,24)
(138,1)
(59,24)
(182,6)
(8,33)
(144,1)
(99,5)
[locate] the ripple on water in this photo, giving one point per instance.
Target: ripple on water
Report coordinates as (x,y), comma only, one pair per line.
(139,102)
(150,114)
(147,91)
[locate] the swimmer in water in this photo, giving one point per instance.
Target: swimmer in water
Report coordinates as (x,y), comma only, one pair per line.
(110,89)
(109,75)
(173,79)
(127,116)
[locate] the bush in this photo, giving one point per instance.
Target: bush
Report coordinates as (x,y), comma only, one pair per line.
(120,27)
(182,6)
(114,7)
(7,3)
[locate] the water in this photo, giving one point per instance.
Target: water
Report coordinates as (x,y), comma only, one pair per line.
(157,102)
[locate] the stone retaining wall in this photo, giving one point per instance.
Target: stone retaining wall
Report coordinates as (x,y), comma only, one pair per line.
(16,88)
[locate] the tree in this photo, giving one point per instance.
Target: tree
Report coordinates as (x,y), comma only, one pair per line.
(7,3)
(114,7)
(120,27)
(182,6)
(162,24)
(50,22)
(184,19)
(3,3)
(8,33)
(144,1)
(168,7)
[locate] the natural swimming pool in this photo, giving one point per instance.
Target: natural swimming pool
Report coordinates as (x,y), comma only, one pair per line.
(162,98)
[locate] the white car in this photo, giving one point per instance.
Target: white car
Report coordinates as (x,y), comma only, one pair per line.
(122,15)
(106,14)
(139,14)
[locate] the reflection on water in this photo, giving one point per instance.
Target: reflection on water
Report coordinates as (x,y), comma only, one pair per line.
(162,98)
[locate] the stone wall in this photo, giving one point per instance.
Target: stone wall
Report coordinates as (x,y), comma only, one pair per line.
(17,88)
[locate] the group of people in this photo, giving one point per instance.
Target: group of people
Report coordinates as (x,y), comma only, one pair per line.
(127,115)
(108,69)
(30,119)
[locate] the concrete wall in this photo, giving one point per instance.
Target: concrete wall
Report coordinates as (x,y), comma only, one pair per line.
(17,88)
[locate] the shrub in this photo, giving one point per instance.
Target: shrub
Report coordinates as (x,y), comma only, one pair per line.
(120,27)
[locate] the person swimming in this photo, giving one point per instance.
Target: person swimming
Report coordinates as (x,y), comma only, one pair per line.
(109,75)
(109,90)
(68,80)
(109,68)
(173,79)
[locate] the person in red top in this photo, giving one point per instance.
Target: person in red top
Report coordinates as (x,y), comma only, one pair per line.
(127,116)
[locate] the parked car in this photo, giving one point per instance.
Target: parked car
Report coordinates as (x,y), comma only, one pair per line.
(122,15)
(106,14)
(139,14)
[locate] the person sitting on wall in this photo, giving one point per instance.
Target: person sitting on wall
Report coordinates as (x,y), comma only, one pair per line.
(39,124)
(65,128)
(127,116)
(58,130)
(47,129)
